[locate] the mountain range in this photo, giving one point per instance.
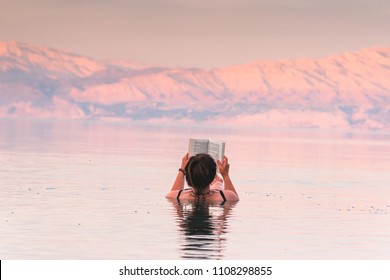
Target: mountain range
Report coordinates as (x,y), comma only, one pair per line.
(348,90)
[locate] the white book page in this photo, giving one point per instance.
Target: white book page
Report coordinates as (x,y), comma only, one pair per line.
(216,150)
(198,146)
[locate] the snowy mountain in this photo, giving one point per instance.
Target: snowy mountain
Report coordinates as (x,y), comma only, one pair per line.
(350,90)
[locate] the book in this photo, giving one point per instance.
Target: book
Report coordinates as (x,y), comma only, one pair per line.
(215,149)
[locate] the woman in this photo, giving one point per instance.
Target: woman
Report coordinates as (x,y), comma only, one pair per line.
(200,173)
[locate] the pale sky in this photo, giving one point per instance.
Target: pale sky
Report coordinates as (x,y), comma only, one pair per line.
(198,33)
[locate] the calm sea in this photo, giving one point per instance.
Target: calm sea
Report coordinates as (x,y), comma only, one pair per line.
(89,190)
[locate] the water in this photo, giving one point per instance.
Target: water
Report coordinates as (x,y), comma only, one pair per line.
(86,190)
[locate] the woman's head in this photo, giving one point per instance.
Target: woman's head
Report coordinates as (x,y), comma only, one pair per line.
(200,172)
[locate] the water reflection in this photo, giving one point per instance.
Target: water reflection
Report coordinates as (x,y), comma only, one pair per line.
(203,227)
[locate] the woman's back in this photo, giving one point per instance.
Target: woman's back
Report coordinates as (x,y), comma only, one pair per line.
(215,195)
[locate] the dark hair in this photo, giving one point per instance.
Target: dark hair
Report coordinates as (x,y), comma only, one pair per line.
(200,172)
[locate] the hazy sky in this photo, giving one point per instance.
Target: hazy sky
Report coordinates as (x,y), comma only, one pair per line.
(200,33)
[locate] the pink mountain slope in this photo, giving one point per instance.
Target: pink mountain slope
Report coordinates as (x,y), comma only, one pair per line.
(341,91)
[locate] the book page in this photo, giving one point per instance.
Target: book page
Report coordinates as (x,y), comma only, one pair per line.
(216,150)
(197,146)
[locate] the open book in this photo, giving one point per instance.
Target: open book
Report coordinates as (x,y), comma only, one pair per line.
(214,148)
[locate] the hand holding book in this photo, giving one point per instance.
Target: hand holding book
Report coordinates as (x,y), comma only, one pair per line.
(184,161)
(223,166)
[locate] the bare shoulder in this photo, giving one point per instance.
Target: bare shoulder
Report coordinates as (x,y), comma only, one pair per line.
(172,194)
(231,196)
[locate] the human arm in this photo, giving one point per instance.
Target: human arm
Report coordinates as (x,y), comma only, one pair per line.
(178,184)
(224,171)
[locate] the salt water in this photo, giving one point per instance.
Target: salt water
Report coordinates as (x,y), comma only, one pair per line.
(94,190)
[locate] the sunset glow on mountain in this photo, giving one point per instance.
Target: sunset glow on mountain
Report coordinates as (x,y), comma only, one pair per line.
(349,90)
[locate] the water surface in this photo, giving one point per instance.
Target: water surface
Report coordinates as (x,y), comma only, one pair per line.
(87,190)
